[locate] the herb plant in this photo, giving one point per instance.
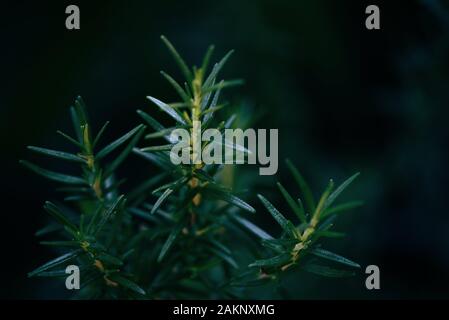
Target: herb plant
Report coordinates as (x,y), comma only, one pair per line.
(180,233)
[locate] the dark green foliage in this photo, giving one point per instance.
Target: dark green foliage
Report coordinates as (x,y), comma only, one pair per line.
(174,234)
(300,241)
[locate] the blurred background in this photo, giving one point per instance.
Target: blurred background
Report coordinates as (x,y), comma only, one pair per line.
(344,99)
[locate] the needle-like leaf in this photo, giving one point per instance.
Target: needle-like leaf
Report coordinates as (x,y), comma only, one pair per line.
(230,198)
(275,261)
(177,87)
(70,139)
(342,208)
(126,283)
(295,207)
(182,65)
(206,59)
(326,271)
(150,120)
(56,213)
(56,262)
(117,143)
(218,66)
(333,257)
(156,158)
(286,225)
(57,154)
(76,124)
(170,241)
(253,228)
(53,175)
(109,213)
(100,134)
(167,109)
(172,185)
(165,147)
(161,200)
(224,84)
(124,154)
(339,190)
(303,186)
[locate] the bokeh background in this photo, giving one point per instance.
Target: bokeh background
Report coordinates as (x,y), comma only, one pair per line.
(343,98)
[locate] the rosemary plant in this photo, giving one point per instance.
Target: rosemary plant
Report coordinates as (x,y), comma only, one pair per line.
(173,235)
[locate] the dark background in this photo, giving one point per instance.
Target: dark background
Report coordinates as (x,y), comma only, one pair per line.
(344,99)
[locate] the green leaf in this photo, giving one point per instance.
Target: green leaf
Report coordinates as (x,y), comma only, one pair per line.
(226,257)
(333,257)
(219,246)
(115,144)
(128,253)
(187,89)
(50,274)
(180,105)
(224,84)
(216,69)
(182,65)
(56,262)
(109,212)
(144,186)
(95,216)
(162,213)
(70,139)
(171,185)
(100,134)
(80,107)
(60,243)
(104,257)
(214,109)
(161,200)
(167,109)
(209,114)
(279,245)
(150,120)
(124,154)
(143,214)
(76,124)
(286,225)
(322,203)
(273,245)
(56,213)
(272,262)
(299,211)
(57,154)
(230,198)
(253,228)
(165,147)
(204,176)
(342,207)
(326,271)
(170,240)
(330,234)
(156,158)
(55,176)
(161,134)
(177,87)
(206,59)
(47,229)
(230,121)
(326,224)
(303,186)
(339,190)
(126,283)
(206,98)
